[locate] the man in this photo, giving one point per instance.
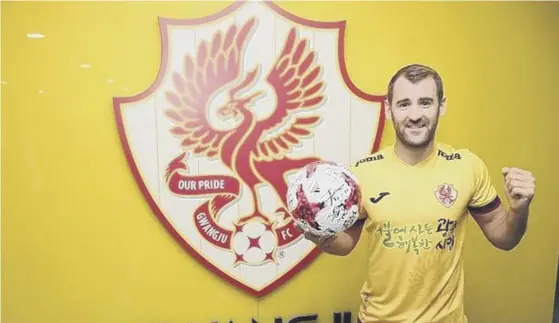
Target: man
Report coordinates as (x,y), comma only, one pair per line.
(417,195)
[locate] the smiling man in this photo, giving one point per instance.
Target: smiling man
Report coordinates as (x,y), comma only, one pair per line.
(418,195)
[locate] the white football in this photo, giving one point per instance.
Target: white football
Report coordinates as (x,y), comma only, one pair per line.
(254,243)
(324,196)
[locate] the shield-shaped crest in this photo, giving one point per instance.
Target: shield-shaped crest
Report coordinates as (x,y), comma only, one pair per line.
(446,194)
(243,99)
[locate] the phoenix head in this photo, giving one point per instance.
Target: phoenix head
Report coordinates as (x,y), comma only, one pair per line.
(239,106)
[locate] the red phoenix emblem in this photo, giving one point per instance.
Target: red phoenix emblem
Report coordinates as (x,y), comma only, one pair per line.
(446,194)
(230,120)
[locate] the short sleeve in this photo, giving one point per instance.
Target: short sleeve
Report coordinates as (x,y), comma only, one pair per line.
(362,210)
(484,198)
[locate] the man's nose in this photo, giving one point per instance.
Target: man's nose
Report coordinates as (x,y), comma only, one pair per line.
(414,113)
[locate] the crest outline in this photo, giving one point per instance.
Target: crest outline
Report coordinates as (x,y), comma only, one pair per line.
(164,23)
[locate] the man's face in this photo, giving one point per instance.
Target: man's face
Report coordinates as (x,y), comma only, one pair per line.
(415,111)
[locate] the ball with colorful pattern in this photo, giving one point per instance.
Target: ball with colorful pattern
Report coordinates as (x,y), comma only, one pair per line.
(324,197)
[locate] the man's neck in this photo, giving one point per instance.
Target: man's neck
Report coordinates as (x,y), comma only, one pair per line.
(413,156)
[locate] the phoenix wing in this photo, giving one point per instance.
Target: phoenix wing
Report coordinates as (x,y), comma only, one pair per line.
(296,80)
(215,66)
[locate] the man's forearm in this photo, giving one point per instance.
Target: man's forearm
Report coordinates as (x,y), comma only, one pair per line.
(510,228)
(339,245)
(342,243)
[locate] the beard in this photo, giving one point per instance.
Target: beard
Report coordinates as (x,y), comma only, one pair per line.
(422,140)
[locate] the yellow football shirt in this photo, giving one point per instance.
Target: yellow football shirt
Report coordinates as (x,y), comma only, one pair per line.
(416,227)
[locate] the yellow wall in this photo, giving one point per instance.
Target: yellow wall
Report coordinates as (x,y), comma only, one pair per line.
(80,244)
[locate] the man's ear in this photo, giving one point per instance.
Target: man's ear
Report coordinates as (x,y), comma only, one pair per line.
(387,108)
(442,107)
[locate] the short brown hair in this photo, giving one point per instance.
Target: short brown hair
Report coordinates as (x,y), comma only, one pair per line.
(415,73)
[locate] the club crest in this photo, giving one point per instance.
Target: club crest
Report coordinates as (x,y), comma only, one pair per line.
(244,98)
(446,194)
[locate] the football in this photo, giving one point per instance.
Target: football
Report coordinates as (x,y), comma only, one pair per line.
(324,197)
(253,243)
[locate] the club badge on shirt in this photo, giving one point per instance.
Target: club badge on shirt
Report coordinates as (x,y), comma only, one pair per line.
(446,194)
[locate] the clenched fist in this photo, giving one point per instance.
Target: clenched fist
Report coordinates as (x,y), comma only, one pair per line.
(520,187)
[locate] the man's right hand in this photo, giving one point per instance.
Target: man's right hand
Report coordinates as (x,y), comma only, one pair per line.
(340,244)
(322,240)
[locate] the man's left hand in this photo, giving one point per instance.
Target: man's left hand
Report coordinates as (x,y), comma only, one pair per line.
(520,187)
